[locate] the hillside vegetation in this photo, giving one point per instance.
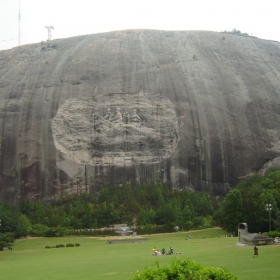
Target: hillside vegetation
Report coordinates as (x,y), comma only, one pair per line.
(148,205)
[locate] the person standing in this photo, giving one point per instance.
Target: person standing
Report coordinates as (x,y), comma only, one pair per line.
(256,253)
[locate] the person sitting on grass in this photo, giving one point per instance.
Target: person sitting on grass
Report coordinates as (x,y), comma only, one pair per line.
(171,251)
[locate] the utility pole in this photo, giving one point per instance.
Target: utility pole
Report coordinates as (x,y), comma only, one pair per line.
(49,27)
(19,23)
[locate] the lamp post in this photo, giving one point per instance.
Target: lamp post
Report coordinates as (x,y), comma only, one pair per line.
(269,208)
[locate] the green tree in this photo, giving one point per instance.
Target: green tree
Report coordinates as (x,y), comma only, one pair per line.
(106,214)
(268,184)
(25,224)
(232,210)
(146,217)
(202,204)
(165,215)
(277,184)
(39,230)
(11,221)
(187,222)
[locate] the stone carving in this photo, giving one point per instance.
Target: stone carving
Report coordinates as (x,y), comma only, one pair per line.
(135,119)
(126,117)
(96,120)
(108,115)
(115,120)
(146,131)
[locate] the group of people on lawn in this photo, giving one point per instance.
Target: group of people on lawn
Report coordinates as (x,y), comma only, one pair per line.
(156,252)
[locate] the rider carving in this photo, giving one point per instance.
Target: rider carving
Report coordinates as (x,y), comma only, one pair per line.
(117,118)
(108,115)
(135,119)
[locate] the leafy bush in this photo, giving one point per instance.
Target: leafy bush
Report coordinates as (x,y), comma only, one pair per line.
(69,245)
(56,246)
(12,221)
(39,230)
(7,237)
(184,270)
(77,244)
(272,234)
(60,231)
(3,244)
(49,233)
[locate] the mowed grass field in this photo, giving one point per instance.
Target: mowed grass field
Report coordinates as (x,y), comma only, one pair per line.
(95,259)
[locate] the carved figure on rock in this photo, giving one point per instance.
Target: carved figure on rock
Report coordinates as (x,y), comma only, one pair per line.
(108,115)
(135,119)
(117,118)
(126,117)
(95,118)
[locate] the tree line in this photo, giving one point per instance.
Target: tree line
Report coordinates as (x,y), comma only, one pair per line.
(247,203)
(147,205)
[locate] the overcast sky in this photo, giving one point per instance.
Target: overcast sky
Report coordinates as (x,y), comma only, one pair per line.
(78,17)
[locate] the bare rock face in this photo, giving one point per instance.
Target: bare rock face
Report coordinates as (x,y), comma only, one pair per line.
(196,110)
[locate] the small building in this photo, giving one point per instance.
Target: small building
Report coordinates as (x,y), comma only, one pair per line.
(257,239)
(245,237)
(123,229)
(118,226)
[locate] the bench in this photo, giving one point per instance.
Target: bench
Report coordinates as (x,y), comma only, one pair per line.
(121,241)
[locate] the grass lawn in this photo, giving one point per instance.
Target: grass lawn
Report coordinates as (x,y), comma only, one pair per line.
(95,259)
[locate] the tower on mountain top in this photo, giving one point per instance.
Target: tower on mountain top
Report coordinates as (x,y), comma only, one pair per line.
(49,27)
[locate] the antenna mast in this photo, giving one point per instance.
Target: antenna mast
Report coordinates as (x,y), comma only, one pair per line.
(19,23)
(49,27)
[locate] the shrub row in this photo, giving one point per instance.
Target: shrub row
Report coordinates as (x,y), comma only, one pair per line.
(61,245)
